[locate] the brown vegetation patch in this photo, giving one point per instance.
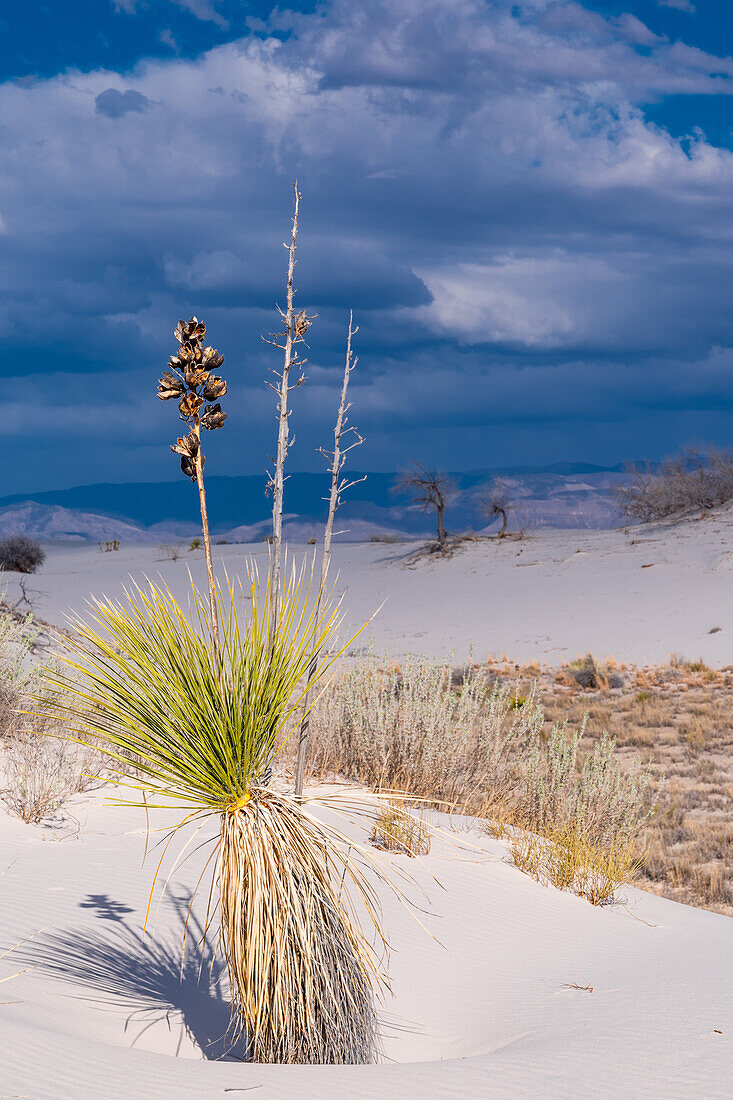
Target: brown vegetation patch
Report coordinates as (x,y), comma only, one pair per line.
(677,719)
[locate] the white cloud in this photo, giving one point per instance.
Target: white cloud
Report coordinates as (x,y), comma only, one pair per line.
(203,9)
(553,301)
(680,5)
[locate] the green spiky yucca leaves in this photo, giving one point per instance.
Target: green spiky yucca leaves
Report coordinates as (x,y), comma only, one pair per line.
(181,724)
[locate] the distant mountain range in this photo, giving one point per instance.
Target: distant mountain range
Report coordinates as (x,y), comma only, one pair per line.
(563,495)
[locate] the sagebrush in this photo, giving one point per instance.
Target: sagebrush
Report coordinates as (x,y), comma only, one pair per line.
(40,770)
(474,747)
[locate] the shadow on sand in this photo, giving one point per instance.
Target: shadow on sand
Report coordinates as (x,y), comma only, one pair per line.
(146,978)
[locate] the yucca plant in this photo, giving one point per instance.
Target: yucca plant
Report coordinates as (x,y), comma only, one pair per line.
(197,705)
(141,681)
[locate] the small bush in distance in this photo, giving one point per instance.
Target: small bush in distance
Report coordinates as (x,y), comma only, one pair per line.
(695,481)
(194,544)
(19,554)
(171,551)
(590,675)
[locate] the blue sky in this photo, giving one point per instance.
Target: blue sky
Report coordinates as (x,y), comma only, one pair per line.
(529,205)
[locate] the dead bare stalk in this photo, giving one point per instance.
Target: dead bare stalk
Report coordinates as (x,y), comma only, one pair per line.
(339,485)
(296,326)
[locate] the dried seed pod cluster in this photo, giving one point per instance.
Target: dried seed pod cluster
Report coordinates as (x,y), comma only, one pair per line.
(191,381)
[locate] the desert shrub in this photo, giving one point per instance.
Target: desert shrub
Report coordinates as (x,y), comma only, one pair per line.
(412,729)
(42,770)
(109,546)
(38,772)
(590,675)
(696,480)
(408,729)
(194,544)
(398,830)
(171,551)
(554,789)
(19,674)
(19,554)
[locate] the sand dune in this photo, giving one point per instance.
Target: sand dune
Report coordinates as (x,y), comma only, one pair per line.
(638,596)
(513,989)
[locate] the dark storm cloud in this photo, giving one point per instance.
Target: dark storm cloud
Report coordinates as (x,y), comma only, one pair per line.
(480,183)
(114,103)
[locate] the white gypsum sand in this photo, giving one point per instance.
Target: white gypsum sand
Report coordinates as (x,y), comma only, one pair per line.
(513,990)
(524,991)
(557,594)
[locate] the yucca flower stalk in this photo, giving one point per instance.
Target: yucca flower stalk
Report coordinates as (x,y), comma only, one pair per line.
(192,382)
(180,727)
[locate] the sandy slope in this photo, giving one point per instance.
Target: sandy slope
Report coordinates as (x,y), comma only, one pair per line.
(637,596)
(491,1010)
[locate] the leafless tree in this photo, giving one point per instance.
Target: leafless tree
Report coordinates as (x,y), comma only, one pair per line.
(345,438)
(698,480)
(428,490)
(495,500)
(296,327)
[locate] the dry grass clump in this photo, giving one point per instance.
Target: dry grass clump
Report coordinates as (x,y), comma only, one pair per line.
(473,746)
(397,830)
(570,859)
